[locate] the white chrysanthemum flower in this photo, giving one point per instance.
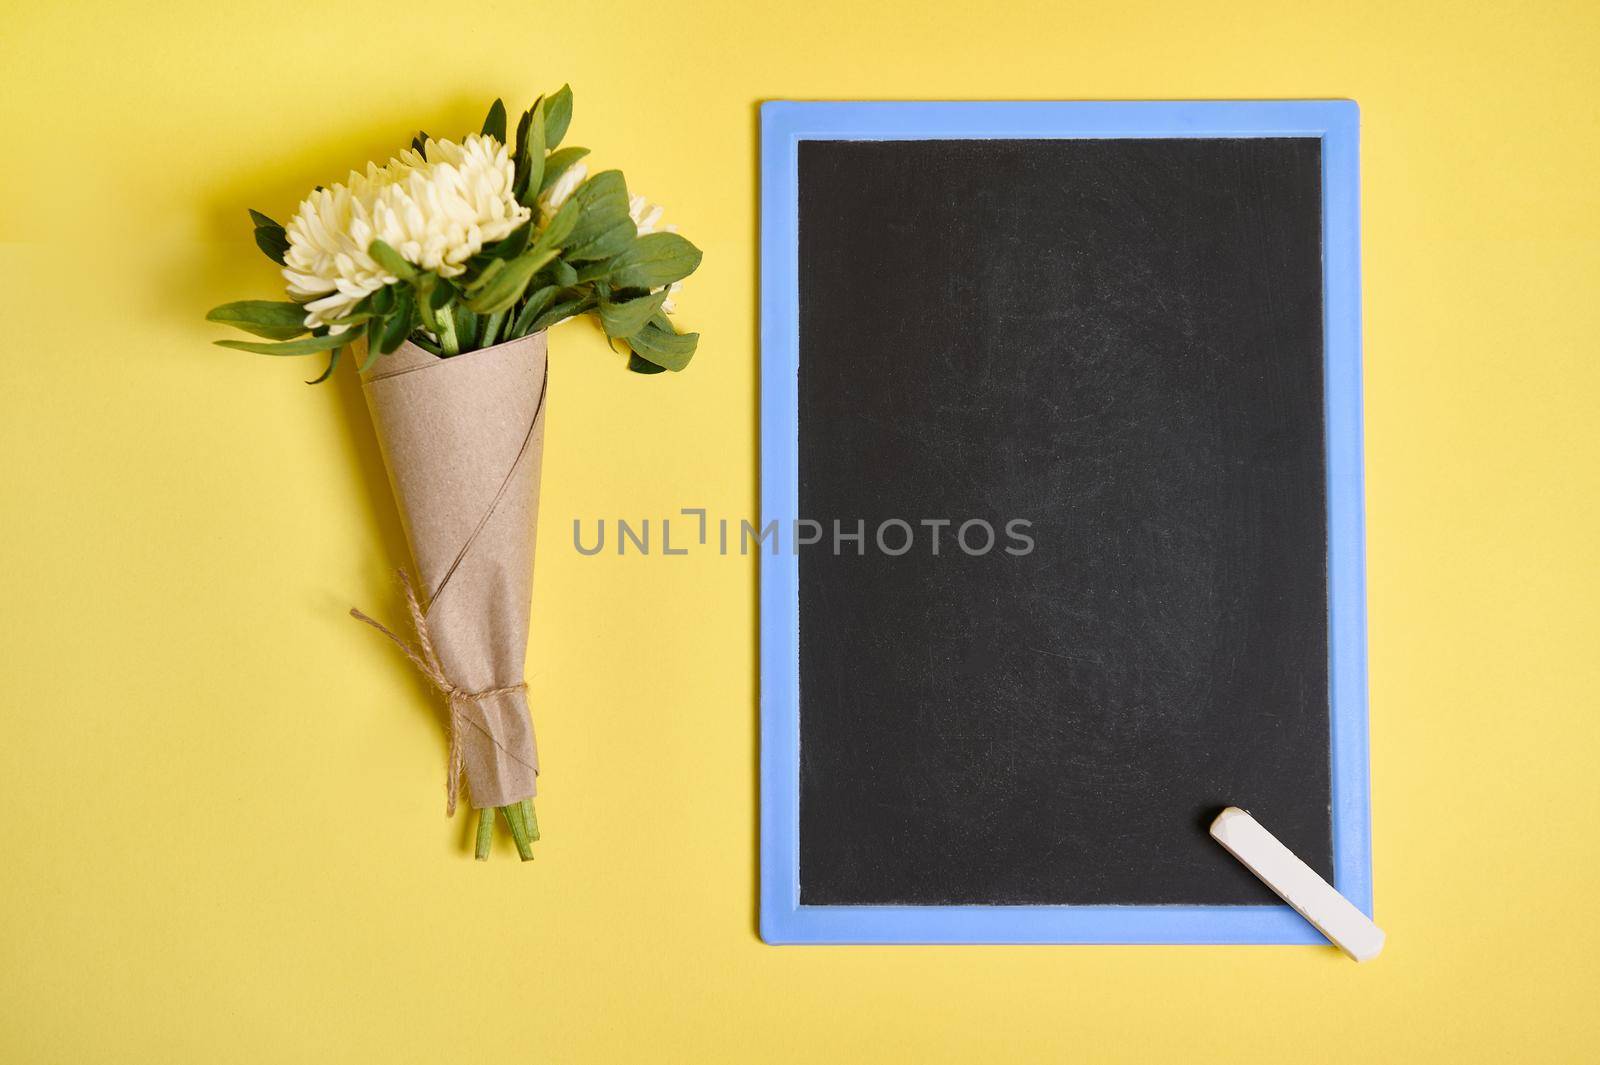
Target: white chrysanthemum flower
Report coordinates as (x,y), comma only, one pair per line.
(646,217)
(450,203)
(552,198)
(437,208)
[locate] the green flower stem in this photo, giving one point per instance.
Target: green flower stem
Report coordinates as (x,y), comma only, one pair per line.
(522,820)
(519,830)
(485,833)
(519,818)
(447,331)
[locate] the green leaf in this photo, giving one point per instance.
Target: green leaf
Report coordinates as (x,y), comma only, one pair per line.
(507,286)
(557,116)
(654,260)
(274,243)
(467,324)
(333,360)
(374,341)
(306,346)
(638,365)
(558,163)
(564,274)
(382,301)
(530,159)
(536,303)
(595,271)
(560,313)
(519,155)
(628,317)
(486,275)
(659,343)
(494,125)
(270,236)
(491,329)
(601,244)
(397,326)
(391,260)
(603,228)
(559,229)
(603,196)
(273,319)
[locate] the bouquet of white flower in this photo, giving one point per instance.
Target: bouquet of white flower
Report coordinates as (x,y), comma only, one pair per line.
(452,260)
(461,246)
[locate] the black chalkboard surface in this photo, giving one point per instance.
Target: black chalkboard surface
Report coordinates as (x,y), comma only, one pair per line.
(1120,343)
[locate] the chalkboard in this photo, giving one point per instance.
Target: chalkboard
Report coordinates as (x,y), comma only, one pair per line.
(1061,528)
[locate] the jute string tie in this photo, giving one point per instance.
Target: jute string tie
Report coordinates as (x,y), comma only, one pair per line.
(426,659)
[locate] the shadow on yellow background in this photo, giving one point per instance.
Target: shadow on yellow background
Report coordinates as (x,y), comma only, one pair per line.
(223,837)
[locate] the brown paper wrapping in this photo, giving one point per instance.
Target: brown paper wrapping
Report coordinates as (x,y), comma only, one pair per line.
(463,440)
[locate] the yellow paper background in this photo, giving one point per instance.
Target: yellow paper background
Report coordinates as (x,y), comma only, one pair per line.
(221,835)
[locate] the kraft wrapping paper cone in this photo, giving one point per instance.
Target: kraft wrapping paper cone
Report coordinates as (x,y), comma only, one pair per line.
(463,440)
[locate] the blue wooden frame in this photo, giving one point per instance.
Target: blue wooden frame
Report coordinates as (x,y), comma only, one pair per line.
(783,126)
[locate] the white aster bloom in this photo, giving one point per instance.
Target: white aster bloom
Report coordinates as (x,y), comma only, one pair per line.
(437,208)
(646,216)
(552,198)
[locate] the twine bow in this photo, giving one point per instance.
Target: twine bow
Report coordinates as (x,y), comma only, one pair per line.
(426,659)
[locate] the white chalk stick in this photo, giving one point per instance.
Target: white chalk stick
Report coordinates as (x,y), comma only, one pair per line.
(1297,884)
